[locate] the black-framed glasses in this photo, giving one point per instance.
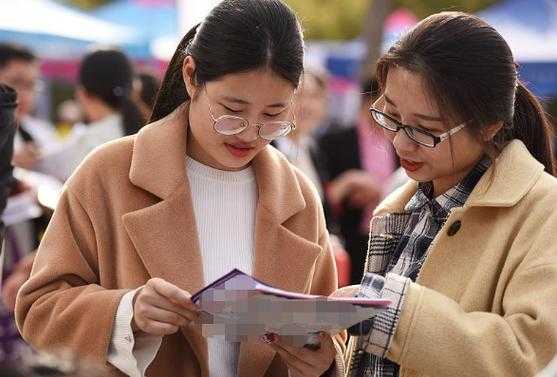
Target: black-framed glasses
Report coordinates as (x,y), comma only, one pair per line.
(229,125)
(421,137)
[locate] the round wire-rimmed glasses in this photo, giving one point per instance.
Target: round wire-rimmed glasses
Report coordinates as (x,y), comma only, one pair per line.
(421,137)
(229,125)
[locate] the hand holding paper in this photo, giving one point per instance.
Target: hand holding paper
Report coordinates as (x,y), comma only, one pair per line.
(239,307)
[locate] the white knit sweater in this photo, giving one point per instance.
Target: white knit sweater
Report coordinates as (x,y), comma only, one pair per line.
(224,203)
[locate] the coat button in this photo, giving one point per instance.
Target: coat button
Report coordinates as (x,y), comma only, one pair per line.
(454,228)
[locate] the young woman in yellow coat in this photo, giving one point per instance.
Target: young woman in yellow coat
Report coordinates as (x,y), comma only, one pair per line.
(467,251)
(148,220)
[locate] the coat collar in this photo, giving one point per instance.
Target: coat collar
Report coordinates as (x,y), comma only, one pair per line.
(509,178)
(163,144)
(164,233)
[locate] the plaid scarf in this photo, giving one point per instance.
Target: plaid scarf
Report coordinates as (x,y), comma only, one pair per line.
(399,245)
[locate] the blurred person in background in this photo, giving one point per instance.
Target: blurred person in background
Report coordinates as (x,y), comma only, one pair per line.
(9,336)
(145,88)
(104,93)
(68,114)
(302,150)
(8,104)
(358,162)
(19,68)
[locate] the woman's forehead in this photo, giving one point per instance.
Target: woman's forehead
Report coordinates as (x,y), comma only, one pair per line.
(407,90)
(253,87)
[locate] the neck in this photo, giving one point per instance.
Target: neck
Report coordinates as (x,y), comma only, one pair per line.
(99,112)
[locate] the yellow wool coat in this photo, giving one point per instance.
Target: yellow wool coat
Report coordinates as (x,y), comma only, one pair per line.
(126,215)
(485,301)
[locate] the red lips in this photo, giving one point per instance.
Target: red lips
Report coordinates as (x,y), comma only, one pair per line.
(410,165)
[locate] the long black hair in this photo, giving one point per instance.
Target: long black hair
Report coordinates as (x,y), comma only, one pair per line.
(470,71)
(237,36)
(108,75)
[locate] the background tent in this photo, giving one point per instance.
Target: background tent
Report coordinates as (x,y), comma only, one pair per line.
(55,31)
(530,28)
(151,20)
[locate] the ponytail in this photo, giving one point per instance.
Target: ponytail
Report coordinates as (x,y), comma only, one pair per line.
(532,127)
(172,92)
(132,120)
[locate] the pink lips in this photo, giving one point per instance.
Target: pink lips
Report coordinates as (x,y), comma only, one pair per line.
(239,150)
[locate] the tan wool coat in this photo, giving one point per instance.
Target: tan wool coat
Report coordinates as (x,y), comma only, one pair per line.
(126,216)
(485,301)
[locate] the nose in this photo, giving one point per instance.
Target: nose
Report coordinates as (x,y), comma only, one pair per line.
(251,133)
(402,143)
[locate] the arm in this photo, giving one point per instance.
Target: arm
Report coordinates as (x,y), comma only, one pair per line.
(518,342)
(129,353)
(63,304)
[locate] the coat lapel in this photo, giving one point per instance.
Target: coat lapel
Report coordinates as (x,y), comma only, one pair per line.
(282,258)
(164,234)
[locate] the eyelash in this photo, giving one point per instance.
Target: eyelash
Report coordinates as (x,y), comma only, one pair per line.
(239,111)
(419,126)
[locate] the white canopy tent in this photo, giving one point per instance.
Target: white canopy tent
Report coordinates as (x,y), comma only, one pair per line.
(54,30)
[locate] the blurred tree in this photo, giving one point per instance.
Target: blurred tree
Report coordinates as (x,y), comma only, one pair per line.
(86,4)
(423,8)
(344,19)
(331,19)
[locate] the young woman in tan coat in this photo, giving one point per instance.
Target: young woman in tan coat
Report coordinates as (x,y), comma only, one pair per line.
(148,220)
(467,251)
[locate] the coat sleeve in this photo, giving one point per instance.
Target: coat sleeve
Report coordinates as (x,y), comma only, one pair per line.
(436,337)
(62,305)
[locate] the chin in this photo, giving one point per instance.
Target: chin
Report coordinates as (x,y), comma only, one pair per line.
(234,163)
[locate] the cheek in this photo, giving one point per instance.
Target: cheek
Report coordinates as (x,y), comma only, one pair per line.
(440,158)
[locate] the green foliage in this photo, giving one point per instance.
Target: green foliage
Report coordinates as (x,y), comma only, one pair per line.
(344,19)
(424,8)
(331,19)
(86,4)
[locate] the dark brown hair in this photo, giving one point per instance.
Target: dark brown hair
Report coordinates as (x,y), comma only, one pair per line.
(470,72)
(237,36)
(108,75)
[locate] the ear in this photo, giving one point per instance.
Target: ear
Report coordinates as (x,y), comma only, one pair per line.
(188,75)
(489,132)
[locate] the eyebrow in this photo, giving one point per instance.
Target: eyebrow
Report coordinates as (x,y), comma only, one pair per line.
(417,115)
(244,102)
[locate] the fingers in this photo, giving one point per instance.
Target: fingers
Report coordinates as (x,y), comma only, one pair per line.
(348,291)
(161,308)
(158,328)
(305,361)
(160,302)
(295,363)
(163,316)
(174,294)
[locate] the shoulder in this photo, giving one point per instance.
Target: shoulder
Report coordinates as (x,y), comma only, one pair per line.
(541,200)
(114,157)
